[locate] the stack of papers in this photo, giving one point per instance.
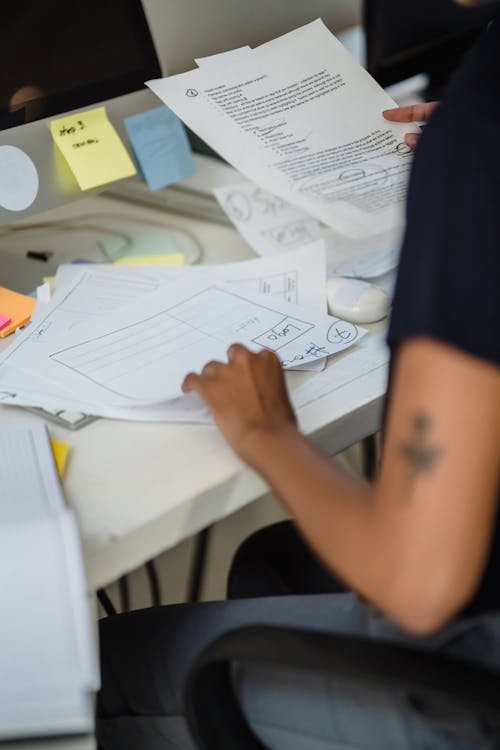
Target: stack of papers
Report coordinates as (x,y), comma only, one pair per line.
(119,341)
(48,663)
(302,120)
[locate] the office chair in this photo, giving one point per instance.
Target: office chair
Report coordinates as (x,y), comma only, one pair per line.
(469,696)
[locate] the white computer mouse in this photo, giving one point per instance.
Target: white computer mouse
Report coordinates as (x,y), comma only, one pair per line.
(355,300)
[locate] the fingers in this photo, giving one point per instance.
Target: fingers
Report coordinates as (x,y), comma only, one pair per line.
(236,351)
(411,139)
(212,368)
(194,382)
(412,113)
(191,382)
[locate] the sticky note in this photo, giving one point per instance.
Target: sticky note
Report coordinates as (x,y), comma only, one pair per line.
(17,307)
(160,146)
(92,148)
(60,451)
(164,259)
(4,320)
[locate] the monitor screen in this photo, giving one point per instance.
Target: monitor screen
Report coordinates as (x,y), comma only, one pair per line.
(61,56)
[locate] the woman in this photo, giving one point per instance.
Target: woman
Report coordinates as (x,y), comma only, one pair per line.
(420,545)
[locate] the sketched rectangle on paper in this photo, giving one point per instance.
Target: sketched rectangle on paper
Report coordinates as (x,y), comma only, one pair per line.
(281,334)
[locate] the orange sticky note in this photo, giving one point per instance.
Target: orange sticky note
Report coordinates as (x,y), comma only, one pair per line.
(17,307)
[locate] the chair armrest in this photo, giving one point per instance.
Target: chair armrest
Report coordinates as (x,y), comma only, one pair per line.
(217,721)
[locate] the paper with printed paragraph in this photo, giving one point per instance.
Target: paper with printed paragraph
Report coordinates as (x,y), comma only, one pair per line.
(301,118)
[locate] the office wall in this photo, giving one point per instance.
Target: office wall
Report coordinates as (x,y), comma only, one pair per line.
(184,29)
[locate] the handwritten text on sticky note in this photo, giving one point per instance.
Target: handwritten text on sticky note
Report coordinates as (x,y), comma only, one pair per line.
(92,148)
(161,146)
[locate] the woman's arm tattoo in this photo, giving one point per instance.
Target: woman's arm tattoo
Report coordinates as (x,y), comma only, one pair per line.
(420,453)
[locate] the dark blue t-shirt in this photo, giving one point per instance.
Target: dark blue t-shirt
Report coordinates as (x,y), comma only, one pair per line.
(448,285)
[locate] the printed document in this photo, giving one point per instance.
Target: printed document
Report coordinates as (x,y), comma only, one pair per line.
(301,118)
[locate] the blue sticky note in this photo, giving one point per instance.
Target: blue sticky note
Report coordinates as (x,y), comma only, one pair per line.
(161,146)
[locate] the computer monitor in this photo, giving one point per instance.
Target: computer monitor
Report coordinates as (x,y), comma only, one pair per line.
(406,38)
(63,57)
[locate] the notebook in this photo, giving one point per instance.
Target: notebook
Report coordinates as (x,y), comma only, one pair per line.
(48,663)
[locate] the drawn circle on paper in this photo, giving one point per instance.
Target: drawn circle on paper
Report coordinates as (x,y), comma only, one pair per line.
(238,206)
(342,332)
(352,174)
(18,179)
(403,149)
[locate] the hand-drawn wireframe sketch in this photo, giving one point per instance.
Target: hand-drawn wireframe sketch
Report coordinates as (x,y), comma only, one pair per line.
(274,231)
(90,293)
(165,344)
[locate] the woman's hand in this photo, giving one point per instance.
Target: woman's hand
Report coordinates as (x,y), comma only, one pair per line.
(412,113)
(246,397)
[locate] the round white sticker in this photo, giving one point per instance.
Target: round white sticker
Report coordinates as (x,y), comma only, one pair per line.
(18,179)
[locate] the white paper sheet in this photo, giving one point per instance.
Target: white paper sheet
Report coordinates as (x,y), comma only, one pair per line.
(82,294)
(142,352)
(371,354)
(223,58)
(300,117)
(298,277)
(271,225)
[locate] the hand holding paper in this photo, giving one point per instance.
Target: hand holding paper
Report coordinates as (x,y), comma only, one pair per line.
(246,396)
(301,118)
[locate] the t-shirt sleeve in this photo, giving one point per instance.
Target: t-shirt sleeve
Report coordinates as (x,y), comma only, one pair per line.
(448,285)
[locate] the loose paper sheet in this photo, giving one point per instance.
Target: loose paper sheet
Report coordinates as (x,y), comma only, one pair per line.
(54,340)
(300,117)
(271,225)
(92,148)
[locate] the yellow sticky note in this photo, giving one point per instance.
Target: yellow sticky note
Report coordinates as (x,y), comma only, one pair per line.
(17,307)
(60,451)
(162,259)
(92,148)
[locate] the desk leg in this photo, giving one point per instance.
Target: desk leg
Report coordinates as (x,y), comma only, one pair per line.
(198,564)
(154,584)
(106,602)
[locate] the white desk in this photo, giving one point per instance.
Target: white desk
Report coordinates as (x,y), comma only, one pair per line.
(138,489)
